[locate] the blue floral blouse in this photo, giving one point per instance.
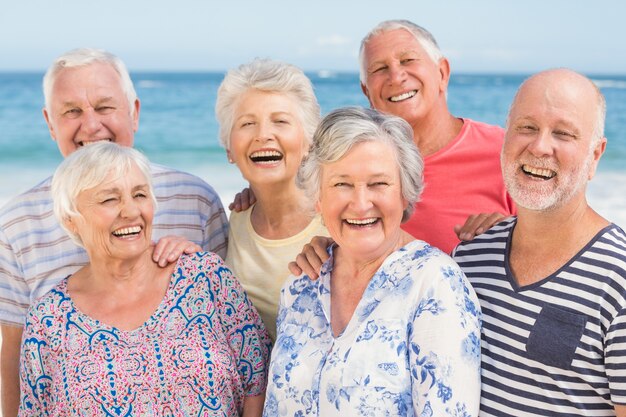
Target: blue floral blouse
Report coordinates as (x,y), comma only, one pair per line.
(411,348)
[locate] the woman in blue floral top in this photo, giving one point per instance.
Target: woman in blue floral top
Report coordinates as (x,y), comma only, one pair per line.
(392,326)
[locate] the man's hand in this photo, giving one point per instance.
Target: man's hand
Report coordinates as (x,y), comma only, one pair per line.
(10,369)
(243,200)
(169,248)
(312,257)
(477,224)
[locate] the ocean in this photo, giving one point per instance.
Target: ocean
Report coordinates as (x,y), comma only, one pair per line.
(178,127)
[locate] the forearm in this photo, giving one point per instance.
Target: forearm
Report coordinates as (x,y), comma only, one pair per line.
(253,406)
(9,369)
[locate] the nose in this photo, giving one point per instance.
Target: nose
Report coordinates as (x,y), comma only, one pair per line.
(91,123)
(130,208)
(264,132)
(361,199)
(397,74)
(541,144)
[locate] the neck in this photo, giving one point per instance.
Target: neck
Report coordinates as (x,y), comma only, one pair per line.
(107,273)
(362,268)
(281,211)
(436,130)
(561,229)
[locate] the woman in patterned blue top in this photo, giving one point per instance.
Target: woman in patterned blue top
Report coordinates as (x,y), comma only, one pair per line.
(392,327)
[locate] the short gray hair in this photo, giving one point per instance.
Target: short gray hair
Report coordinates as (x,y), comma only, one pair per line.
(89,167)
(424,37)
(83,57)
(269,76)
(346,127)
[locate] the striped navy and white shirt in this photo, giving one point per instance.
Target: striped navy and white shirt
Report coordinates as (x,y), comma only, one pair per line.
(556,347)
(36,253)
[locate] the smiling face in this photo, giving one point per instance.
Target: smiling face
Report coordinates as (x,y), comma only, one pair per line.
(116,216)
(267,140)
(549,154)
(88,104)
(361,200)
(401,78)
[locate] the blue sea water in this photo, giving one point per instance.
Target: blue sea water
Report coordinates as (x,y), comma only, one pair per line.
(178,127)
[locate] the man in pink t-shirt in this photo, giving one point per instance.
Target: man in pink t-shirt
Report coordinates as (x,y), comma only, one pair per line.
(404,73)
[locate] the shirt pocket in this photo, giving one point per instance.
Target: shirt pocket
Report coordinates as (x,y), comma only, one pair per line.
(378,358)
(555,336)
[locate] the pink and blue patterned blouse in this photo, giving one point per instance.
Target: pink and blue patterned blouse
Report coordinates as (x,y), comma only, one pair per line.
(411,348)
(200,354)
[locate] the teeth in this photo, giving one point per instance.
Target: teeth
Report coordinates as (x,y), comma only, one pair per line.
(266,156)
(539,172)
(361,222)
(404,96)
(127,231)
(91,142)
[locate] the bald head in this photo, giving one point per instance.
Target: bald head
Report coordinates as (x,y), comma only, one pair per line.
(564,88)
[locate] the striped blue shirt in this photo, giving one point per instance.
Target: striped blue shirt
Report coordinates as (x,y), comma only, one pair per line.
(36,253)
(556,347)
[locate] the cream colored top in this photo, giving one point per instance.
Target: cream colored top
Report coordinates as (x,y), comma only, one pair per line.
(261,264)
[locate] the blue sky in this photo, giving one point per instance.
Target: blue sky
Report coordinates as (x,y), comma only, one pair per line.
(477,36)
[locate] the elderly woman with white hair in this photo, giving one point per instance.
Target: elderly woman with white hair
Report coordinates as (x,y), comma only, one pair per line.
(268,113)
(123,336)
(392,326)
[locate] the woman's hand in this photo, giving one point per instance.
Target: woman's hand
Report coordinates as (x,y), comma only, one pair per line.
(477,224)
(311,258)
(169,248)
(243,200)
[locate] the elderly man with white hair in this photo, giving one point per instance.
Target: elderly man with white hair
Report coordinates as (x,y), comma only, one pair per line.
(89,97)
(552,281)
(404,73)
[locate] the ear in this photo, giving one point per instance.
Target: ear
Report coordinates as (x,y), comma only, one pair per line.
(46,116)
(137,107)
(318,206)
(229,156)
(70,225)
(597,154)
(444,73)
(367,93)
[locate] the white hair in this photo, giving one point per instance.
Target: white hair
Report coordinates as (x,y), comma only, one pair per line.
(269,76)
(424,37)
(343,128)
(89,167)
(83,57)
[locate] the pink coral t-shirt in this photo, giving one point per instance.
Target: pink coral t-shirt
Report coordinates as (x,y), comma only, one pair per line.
(460,179)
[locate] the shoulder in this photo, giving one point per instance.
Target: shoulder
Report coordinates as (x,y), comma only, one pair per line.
(237,218)
(494,239)
(36,200)
(485,131)
(419,254)
(53,306)
(175,181)
(298,285)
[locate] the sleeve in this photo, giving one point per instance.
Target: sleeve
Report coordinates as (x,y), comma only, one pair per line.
(614,357)
(13,287)
(444,344)
(35,381)
(216,226)
(245,333)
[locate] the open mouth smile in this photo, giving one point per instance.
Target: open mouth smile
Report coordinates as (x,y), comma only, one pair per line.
(266,157)
(403,96)
(127,231)
(362,222)
(91,142)
(540,173)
